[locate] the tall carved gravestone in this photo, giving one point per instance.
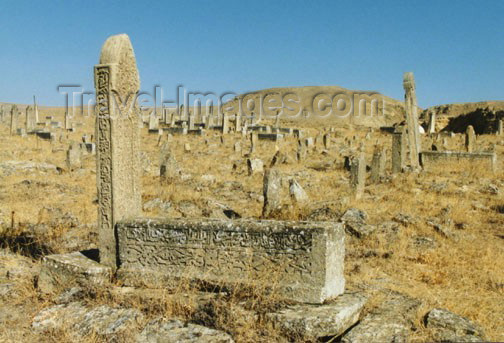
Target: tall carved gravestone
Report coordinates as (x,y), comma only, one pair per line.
(412,119)
(117,136)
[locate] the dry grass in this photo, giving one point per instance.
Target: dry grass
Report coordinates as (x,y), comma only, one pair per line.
(462,272)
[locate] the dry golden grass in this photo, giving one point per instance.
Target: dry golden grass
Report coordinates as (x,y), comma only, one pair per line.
(462,273)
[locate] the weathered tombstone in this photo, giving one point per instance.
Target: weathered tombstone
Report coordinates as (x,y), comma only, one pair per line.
(153,121)
(327,141)
(238,125)
(358,174)
(192,118)
(168,167)
(73,157)
(309,142)
(13,120)
(225,124)
(277,120)
(378,164)
(29,120)
(301,151)
(253,142)
(255,166)
(118,141)
(470,138)
(412,119)
(272,183)
(398,150)
(67,120)
(297,193)
(237,147)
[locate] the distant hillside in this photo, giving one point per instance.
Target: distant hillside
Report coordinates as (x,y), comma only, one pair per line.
(481,115)
(393,113)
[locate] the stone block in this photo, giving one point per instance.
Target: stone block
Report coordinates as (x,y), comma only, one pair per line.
(302,261)
(309,322)
(430,158)
(71,269)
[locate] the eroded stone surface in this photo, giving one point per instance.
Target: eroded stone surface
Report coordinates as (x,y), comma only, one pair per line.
(314,321)
(117,140)
(304,259)
(390,322)
(73,268)
(174,330)
(450,327)
(80,321)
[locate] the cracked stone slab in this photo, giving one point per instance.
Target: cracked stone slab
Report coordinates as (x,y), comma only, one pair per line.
(63,269)
(313,321)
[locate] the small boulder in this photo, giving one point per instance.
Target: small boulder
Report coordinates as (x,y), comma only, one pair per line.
(450,327)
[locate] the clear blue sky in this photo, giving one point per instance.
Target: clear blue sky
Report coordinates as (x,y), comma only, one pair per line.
(455,48)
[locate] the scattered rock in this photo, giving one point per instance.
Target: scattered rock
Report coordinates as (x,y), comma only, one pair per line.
(297,193)
(305,322)
(255,166)
(15,167)
(272,183)
(174,330)
(450,327)
(73,269)
(424,242)
(355,223)
(323,214)
(390,322)
(490,189)
(157,203)
(81,321)
(405,219)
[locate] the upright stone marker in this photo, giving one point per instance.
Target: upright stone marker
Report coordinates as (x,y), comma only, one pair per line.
(238,125)
(412,119)
(67,120)
(13,120)
(358,174)
(470,139)
(500,128)
(398,151)
(378,164)
(153,121)
(118,141)
(225,124)
(432,123)
(29,120)
(272,183)
(35,109)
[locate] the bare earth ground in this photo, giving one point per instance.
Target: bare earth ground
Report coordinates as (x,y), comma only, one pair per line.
(459,268)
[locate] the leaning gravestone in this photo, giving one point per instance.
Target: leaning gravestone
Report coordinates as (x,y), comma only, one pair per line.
(117,136)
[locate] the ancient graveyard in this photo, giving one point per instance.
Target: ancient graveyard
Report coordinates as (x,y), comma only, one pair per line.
(201,224)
